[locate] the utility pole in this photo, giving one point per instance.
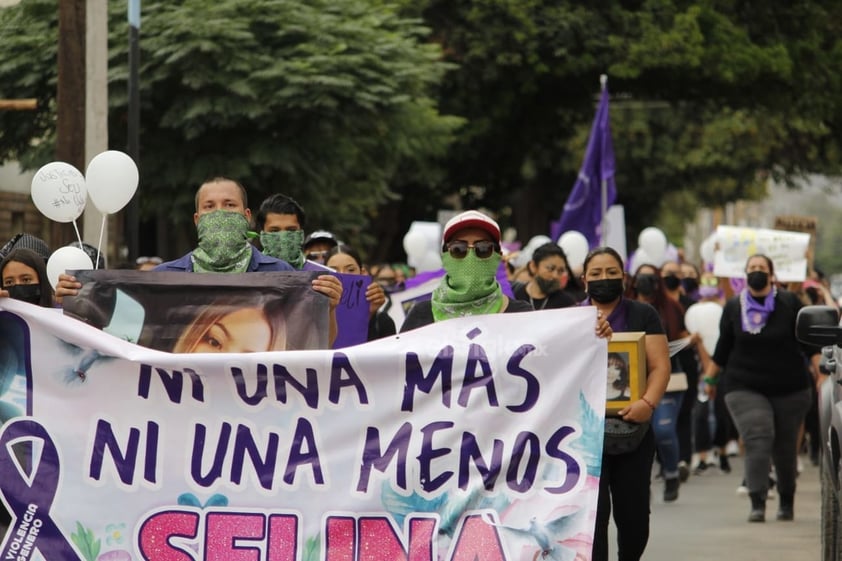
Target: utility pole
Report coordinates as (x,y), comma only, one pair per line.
(96,110)
(70,144)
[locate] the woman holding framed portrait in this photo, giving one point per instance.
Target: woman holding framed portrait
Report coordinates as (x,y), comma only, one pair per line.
(624,484)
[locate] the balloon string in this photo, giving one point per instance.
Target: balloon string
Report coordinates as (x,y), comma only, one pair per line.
(99,245)
(78,237)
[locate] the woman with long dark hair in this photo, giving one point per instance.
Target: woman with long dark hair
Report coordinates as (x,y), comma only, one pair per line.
(648,286)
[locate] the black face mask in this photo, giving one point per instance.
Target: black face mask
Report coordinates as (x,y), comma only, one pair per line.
(27,292)
(757,280)
(547,286)
(672,282)
(606,290)
(690,284)
(646,284)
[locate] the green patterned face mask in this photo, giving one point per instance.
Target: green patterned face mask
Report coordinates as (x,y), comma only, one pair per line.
(223,243)
(285,245)
(469,288)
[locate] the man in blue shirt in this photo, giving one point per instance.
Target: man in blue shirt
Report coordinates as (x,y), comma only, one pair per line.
(222,222)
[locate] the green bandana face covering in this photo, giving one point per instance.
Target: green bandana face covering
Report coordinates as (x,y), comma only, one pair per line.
(284,245)
(223,243)
(469,288)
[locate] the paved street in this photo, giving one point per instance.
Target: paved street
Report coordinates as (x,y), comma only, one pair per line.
(708,522)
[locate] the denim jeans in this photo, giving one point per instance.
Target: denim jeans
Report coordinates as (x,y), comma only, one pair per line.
(664,422)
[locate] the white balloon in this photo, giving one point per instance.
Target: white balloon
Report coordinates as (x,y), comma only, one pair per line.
(707,248)
(703,318)
(575,246)
(429,262)
(654,243)
(638,258)
(58,191)
(415,244)
(524,255)
(112,179)
(67,258)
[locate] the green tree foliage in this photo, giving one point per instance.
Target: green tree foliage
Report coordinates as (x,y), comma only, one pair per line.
(328,102)
(331,101)
(28,41)
(709,98)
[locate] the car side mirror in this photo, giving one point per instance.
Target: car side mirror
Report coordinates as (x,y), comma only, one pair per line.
(818,325)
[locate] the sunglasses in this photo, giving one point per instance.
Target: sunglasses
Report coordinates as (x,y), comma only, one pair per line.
(483,249)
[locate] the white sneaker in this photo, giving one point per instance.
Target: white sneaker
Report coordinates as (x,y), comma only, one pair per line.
(742,490)
(732,448)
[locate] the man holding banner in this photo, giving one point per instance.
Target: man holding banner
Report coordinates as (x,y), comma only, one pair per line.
(222,223)
(448,443)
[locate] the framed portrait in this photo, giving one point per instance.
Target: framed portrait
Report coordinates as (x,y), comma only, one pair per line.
(626,380)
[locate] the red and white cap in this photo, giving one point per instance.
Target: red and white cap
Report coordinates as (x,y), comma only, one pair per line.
(471,219)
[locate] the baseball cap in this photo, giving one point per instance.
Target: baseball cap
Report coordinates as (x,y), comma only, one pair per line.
(321,236)
(471,219)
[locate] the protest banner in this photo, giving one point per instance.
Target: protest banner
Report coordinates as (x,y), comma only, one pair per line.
(186,312)
(787,250)
(475,438)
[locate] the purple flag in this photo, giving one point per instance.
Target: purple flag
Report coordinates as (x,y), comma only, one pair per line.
(584,208)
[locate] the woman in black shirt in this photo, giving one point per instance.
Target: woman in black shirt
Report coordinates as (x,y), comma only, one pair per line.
(625,480)
(768,386)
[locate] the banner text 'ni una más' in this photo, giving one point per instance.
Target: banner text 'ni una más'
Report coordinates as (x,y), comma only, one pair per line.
(470,438)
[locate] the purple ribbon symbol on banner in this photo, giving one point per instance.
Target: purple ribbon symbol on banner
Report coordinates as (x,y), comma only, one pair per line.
(30,502)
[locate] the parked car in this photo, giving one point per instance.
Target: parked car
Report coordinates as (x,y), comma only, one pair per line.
(819,325)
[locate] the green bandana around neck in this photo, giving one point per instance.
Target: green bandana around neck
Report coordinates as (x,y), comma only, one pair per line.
(468,288)
(223,243)
(285,245)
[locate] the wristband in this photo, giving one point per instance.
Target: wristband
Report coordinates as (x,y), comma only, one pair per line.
(710,380)
(647,402)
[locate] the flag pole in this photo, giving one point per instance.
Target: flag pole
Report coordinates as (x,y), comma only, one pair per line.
(603,83)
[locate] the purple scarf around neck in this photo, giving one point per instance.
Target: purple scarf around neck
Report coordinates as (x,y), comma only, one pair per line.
(754,314)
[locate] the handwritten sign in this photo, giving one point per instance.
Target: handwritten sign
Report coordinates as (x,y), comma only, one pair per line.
(787,250)
(352,313)
(805,224)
